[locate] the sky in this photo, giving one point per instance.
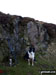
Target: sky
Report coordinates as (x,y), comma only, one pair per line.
(43,10)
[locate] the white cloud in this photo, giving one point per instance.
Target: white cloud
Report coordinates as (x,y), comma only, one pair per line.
(44,10)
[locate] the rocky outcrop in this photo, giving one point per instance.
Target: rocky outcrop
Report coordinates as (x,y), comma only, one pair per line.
(51,29)
(32,32)
(23,31)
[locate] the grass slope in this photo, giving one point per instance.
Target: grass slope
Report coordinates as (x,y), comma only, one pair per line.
(22,68)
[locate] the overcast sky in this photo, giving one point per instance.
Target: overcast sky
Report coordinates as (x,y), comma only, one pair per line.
(43,10)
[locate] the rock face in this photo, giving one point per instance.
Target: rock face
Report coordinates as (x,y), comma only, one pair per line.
(51,29)
(23,31)
(32,31)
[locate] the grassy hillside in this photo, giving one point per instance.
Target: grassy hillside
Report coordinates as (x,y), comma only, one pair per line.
(22,68)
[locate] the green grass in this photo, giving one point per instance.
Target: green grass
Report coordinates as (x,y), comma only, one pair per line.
(22,68)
